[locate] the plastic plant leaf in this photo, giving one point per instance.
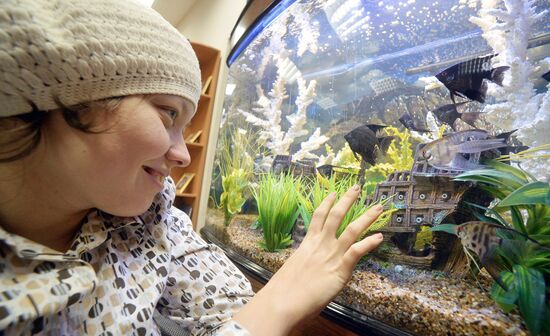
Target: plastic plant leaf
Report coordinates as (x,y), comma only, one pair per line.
(531,193)
(492,177)
(531,295)
(543,239)
(449,228)
(306,216)
(256,225)
(497,219)
(517,219)
(520,174)
(506,299)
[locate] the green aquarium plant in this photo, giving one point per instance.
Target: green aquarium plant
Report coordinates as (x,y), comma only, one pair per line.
(310,198)
(400,154)
(398,157)
(521,204)
(232,198)
(277,201)
(358,208)
(236,169)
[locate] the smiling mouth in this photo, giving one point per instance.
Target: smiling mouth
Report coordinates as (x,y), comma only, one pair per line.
(156,174)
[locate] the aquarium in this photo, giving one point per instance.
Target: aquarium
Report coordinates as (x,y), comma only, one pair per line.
(441,111)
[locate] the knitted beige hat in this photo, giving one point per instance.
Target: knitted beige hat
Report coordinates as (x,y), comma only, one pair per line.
(82,50)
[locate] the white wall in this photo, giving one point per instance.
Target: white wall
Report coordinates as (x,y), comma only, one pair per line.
(210,22)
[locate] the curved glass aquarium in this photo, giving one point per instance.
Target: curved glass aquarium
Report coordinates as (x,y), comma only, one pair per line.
(440,110)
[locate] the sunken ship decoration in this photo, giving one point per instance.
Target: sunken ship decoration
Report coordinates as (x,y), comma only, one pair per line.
(283,164)
(424,197)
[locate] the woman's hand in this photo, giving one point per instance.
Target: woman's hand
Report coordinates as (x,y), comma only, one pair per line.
(316,272)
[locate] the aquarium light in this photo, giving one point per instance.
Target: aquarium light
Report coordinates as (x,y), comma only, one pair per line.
(261,23)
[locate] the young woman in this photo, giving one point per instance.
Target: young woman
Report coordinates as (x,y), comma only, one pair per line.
(94,97)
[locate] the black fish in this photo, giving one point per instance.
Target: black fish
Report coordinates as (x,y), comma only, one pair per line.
(505,135)
(466,79)
(407,121)
(363,141)
(546,76)
(448,114)
(510,149)
(326,170)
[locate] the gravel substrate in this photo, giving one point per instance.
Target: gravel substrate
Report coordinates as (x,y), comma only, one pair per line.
(417,301)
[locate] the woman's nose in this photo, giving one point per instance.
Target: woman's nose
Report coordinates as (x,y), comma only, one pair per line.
(178,153)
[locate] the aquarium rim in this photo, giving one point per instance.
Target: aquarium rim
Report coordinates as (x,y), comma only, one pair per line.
(260,13)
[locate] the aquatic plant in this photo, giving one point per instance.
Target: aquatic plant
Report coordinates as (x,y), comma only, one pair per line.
(236,169)
(277,201)
(398,157)
(518,193)
(400,153)
(311,197)
(345,158)
(359,208)
(232,199)
(424,238)
(525,264)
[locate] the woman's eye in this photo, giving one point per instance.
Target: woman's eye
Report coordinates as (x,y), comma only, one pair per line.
(170,113)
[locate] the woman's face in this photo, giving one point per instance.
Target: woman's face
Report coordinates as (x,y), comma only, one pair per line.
(122,168)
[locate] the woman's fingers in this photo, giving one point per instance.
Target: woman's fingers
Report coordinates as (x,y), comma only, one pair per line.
(320,214)
(358,226)
(338,212)
(359,249)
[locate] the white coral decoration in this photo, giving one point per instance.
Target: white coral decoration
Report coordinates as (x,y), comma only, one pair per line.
(277,141)
(270,108)
(307,30)
(507,32)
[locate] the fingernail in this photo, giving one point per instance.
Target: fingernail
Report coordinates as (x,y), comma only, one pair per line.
(378,207)
(356,187)
(379,236)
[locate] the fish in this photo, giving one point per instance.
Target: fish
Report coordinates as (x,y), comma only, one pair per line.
(363,141)
(327,170)
(506,135)
(505,150)
(407,120)
(448,114)
(466,79)
(483,238)
(447,152)
(514,149)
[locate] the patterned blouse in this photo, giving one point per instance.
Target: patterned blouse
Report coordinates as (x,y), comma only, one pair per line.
(117,274)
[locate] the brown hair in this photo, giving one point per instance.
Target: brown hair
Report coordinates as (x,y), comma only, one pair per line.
(21,134)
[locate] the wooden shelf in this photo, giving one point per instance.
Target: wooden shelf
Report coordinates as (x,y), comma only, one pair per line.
(194,144)
(188,195)
(209,61)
